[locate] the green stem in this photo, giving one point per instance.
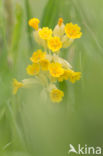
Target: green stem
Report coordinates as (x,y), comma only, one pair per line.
(29,30)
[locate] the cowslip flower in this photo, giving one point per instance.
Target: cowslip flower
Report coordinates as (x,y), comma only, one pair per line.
(45,33)
(75,76)
(56,69)
(65,75)
(33,69)
(34,22)
(56,95)
(72,31)
(16,86)
(54,44)
(38,56)
(44,64)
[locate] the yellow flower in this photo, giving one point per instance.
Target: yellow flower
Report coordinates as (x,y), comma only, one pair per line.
(38,56)
(72,31)
(34,22)
(44,64)
(54,44)
(75,76)
(56,69)
(45,33)
(16,86)
(65,75)
(33,69)
(56,95)
(60,21)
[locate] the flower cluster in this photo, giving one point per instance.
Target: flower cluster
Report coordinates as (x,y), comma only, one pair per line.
(47,67)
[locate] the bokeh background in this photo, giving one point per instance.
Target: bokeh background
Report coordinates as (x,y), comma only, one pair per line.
(29,125)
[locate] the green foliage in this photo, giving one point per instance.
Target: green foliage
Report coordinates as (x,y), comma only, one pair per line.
(16,35)
(3,35)
(29,30)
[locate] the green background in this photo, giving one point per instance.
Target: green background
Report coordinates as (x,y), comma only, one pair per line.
(29,125)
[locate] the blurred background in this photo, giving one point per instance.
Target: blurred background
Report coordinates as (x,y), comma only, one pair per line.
(29,125)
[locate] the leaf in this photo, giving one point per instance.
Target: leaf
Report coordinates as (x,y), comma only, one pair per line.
(29,30)
(16,32)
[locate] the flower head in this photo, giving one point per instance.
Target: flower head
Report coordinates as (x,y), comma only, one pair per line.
(44,64)
(49,68)
(45,33)
(56,95)
(33,69)
(72,31)
(38,56)
(75,76)
(56,69)
(54,44)
(34,22)
(16,86)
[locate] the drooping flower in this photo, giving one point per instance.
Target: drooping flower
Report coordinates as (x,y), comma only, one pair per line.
(33,69)
(56,95)
(56,69)
(65,75)
(38,56)
(54,44)
(34,22)
(44,64)
(45,33)
(72,31)
(75,76)
(16,86)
